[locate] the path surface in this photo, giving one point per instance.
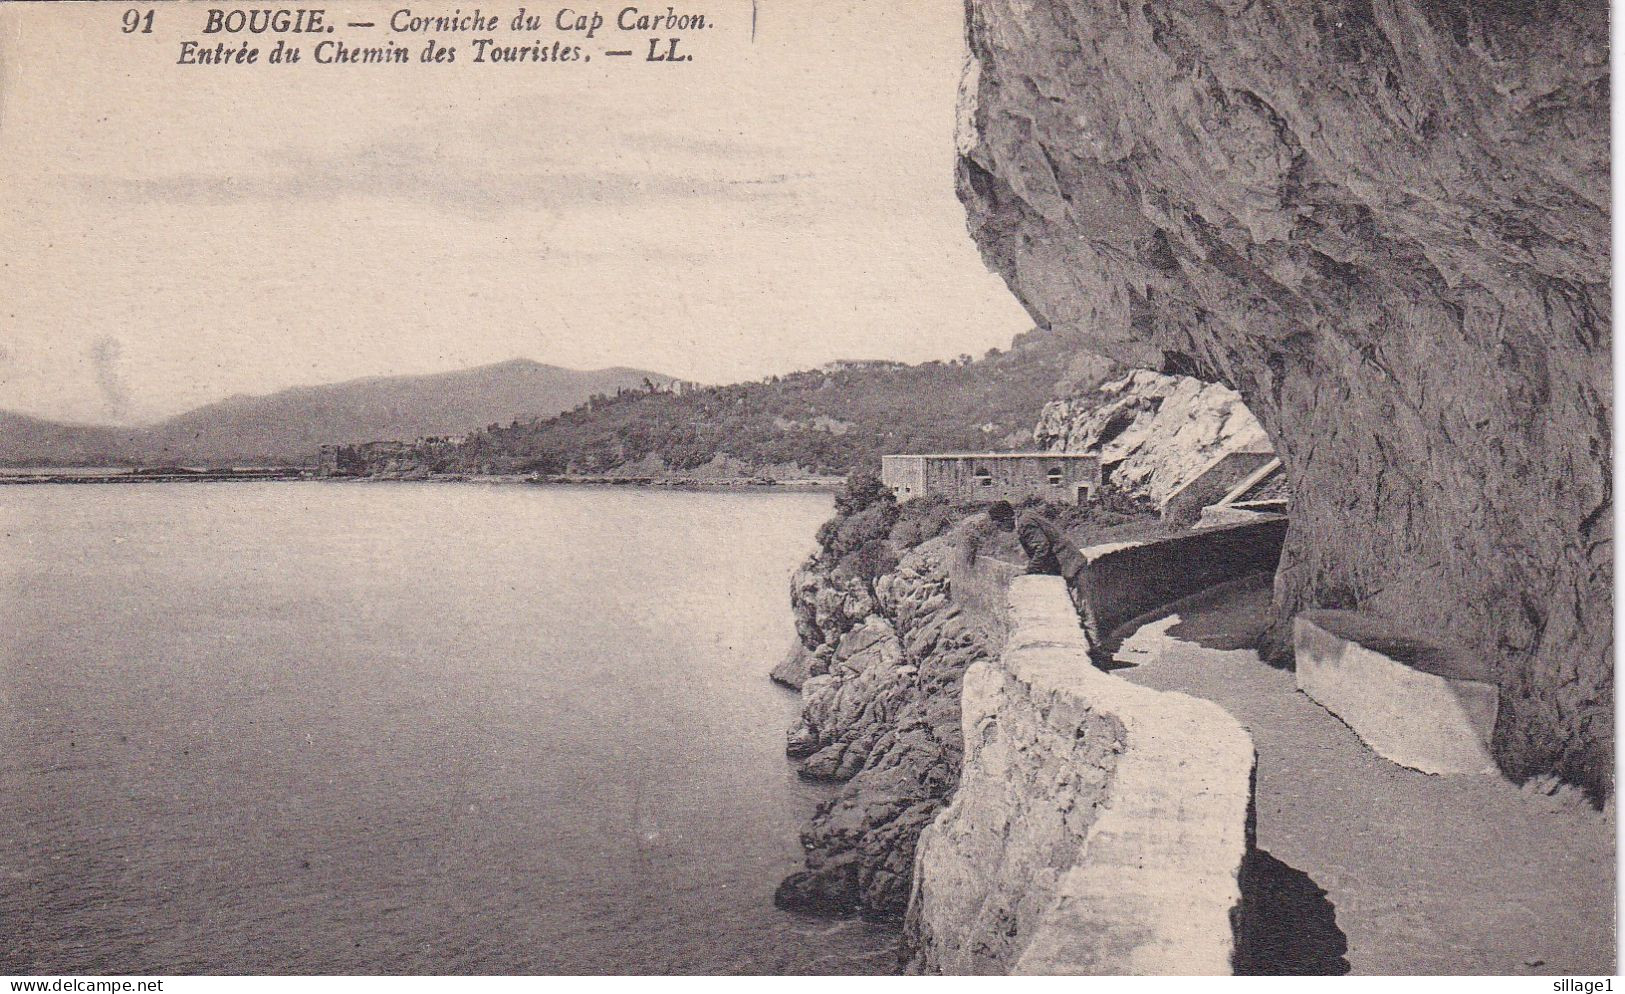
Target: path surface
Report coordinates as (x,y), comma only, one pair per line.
(1421,874)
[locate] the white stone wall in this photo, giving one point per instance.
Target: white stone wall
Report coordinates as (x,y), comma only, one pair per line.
(1423,721)
(1099,826)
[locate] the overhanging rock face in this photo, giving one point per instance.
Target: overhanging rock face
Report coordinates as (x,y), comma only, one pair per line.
(1386,224)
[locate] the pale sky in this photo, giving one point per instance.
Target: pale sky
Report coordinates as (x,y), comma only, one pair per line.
(175,234)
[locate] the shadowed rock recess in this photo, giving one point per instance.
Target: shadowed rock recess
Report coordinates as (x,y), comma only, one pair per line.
(1386,224)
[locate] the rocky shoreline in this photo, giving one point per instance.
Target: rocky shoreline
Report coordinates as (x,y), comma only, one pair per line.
(896,606)
(879,672)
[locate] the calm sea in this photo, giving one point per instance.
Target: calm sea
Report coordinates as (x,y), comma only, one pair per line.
(416,728)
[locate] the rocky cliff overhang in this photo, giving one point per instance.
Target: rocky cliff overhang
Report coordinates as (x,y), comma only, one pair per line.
(1386,224)
(1154,433)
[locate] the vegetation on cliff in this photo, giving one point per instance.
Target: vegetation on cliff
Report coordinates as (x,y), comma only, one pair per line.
(899,600)
(825,421)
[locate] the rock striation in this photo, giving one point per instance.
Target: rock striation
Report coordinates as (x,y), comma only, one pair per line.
(1386,225)
(1154,433)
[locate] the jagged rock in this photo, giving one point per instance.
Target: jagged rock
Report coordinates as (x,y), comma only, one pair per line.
(1387,226)
(798,665)
(830,891)
(846,710)
(1154,432)
(885,718)
(824,604)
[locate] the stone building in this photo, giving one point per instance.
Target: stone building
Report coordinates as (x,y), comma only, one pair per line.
(1012,476)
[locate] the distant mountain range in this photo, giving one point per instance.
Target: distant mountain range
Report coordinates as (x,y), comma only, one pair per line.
(828,421)
(288,427)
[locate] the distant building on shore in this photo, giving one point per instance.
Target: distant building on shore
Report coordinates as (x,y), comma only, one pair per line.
(1013,476)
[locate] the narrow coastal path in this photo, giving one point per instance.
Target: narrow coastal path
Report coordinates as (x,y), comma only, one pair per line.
(1421,874)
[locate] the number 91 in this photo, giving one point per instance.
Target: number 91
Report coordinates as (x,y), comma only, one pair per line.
(135,20)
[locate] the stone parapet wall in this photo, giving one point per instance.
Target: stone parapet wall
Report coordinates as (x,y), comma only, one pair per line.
(1184,505)
(1099,826)
(1416,704)
(980,587)
(1126,581)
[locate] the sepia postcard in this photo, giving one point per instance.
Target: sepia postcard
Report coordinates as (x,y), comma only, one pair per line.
(806,488)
